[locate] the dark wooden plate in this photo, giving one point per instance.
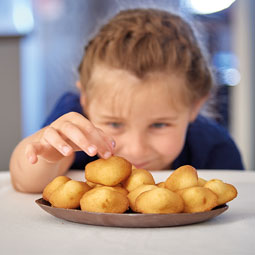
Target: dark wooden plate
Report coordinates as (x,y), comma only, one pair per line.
(132,220)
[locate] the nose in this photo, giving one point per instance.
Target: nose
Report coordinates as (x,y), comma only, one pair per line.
(135,145)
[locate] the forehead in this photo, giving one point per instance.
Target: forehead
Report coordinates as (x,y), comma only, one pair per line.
(121,92)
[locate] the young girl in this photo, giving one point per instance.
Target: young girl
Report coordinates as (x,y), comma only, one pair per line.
(143,81)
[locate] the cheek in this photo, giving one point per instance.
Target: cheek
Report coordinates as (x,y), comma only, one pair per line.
(171,144)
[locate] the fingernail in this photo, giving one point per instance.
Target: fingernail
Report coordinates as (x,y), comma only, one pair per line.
(113,144)
(92,149)
(107,154)
(31,159)
(65,149)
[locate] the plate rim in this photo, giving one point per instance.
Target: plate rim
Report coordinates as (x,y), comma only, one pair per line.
(93,218)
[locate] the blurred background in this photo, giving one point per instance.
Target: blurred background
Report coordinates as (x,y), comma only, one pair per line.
(42,42)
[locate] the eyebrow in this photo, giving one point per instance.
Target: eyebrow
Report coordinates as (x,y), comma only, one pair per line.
(109,117)
(167,118)
(158,119)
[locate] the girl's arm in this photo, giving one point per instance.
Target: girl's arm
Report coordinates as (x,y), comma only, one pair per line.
(48,153)
(32,178)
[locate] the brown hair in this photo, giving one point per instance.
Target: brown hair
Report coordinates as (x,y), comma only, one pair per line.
(149,40)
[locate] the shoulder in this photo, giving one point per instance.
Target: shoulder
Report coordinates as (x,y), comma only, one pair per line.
(210,146)
(68,102)
(209,131)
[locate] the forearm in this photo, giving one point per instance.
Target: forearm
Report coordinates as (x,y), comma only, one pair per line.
(32,178)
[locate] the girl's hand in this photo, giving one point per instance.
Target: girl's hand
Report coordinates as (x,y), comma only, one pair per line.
(69,133)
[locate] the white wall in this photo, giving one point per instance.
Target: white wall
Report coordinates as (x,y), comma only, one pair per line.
(10,120)
(243,106)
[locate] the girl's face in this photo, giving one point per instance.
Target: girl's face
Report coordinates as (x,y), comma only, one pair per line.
(146,118)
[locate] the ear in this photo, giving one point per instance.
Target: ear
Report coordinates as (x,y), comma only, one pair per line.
(78,85)
(197,107)
(82,94)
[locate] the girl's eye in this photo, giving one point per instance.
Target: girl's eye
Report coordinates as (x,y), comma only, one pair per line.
(115,125)
(159,125)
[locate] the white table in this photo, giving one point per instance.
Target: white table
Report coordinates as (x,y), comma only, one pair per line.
(26,229)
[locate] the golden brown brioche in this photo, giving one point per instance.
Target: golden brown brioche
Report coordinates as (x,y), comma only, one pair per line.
(198,199)
(159,200)
(92,184)
(109,172)
(161,185)
(53,185)
(68,195)
(225,192)
(201,182)
(137,178)
(136,192)
(117,188)
(104,200)
(97,185)
(183,177)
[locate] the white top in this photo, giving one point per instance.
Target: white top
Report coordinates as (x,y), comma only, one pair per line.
(27,229)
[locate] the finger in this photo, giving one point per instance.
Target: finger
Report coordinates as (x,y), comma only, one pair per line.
(87,138)
(109,140)
(53,138)
(103,142)
(76,136)
(83,134)
(45,151)
(32,151)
